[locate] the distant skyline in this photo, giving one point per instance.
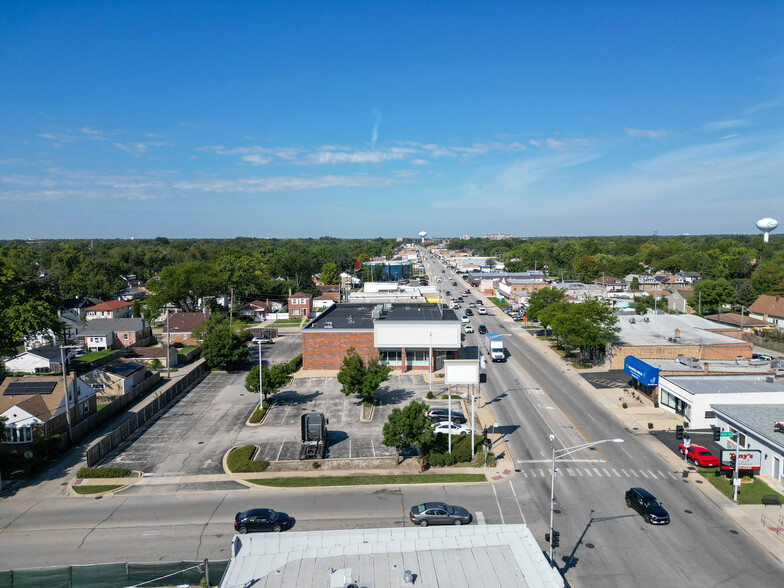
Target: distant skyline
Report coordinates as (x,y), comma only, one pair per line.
(306,119)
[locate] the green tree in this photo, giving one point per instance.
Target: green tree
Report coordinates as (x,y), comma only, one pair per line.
(330,274)
(184,284)
(408,427)
(252,380)
(768,279)
(557,313)
(221,346)
(541,299)
(357,378)
(713,293)
(587,268)
(745,295)
(589,326)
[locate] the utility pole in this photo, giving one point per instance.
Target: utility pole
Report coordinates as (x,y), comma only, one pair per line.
(168,346)
(735,480)
(65,385)
(231,308)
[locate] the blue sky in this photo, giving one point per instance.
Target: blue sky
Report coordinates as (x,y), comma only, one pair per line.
(296,119)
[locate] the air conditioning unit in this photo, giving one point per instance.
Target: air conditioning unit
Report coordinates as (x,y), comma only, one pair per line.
(328,325)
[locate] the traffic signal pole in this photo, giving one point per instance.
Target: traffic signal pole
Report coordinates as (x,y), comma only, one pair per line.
(735,474)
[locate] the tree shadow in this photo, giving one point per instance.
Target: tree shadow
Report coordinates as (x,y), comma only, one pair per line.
(294,398)
(386,396)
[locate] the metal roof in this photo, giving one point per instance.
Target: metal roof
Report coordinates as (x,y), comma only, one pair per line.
(124,369)
(476,555)
(757,419)
(726,384)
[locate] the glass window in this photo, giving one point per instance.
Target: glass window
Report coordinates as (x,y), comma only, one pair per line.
(390,357)
(416,357)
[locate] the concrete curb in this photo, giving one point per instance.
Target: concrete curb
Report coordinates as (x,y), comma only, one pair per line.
(107,482)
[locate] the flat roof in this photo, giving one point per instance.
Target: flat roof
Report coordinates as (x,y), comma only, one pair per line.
(359,317)
(477,555)
(658,329)
(756,418)
(726,384)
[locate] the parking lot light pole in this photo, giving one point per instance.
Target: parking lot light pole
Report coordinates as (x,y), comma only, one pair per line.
(561,453)
(261,396)
(430,362)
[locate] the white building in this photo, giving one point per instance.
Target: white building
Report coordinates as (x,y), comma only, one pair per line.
(41,360)
(692,396)
(758,426)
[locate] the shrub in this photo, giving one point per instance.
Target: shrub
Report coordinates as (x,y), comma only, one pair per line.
(295,364)
(46,446)
(461,450)
(257,415)
(104,473)
(265,404)
(479,459)
(239,460)
(430,395)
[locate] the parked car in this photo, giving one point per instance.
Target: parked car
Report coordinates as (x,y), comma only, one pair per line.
(469,328)
(257,340)
(699,455)
(646,504)
(451,428)
(440,415)
(261,519)
(761,356)
(482,310)
(438,513)
(482,329)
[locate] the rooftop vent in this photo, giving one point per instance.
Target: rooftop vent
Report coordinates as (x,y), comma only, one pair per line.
(328,325)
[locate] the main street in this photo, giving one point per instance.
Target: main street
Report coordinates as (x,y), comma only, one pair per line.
(602,542)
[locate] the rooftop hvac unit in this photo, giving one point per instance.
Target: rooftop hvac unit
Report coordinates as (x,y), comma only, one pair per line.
(328,325)
(387,307)
(770,379)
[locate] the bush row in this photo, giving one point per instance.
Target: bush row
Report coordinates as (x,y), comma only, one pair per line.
(461,450)
(239,460)
(104,473)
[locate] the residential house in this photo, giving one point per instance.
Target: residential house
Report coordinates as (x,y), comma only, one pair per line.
(116,378)
(579,291)
(678,301)
(689,277)
(165,355)
(41,360)
(34,406)
(323,302)
(300,305)
(769,309)
(131,294)
(612,284)
(116,333)
(181,326)
(42,339)
(76,306)
(114,309)
(256,310)
(516,289)
(330,291)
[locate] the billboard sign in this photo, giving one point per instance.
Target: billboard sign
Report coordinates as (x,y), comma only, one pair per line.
(748,459)
(644,373)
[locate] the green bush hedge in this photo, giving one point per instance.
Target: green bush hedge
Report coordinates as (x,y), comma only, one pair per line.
(239,460)
(104,473)
(461,450)
(257,415)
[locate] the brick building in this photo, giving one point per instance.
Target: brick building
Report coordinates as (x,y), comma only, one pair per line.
(403,336)
(300,305)
(181,326)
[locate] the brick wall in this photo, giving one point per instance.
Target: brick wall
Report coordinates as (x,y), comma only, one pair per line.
(727,351)
(325,351)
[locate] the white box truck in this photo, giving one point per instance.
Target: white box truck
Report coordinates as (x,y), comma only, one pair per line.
(495,346)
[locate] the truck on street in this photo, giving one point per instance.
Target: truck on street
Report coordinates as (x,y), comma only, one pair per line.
(495,346)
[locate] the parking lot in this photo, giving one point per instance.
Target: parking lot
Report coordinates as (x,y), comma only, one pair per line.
(279,436)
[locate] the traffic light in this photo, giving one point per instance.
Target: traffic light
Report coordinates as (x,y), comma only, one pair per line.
(716,434)
(679,432)
(556,538)
(732,461)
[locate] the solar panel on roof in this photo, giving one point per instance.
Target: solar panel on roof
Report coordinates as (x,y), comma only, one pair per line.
(29,388)
(124,369)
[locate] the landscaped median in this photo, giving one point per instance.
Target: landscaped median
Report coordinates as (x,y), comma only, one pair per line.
(368,480)
(87,480)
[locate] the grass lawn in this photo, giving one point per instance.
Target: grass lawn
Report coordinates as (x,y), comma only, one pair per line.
(497,302)
(187,348)
(93,355)
(97,489)
(287,323)
(747,493)
(366,480)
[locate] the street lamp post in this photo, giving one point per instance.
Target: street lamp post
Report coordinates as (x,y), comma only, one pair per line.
(430,363)
(261,394)
(562,453)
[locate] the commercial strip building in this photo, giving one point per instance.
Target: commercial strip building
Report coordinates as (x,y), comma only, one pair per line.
(757,426)
(662,336)
(393,270)
(433,557)
(404,336)
(694,396)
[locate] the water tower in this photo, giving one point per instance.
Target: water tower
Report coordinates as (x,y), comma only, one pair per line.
(766,225)
(423,234)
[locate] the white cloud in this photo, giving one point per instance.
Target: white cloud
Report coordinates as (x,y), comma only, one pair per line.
(725,124)
(256,159)
(323,157)
(648,134)
(570,142)
(89,131)
(139,148)
(284,183)
(420,162)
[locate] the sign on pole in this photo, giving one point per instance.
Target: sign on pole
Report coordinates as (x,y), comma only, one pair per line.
(748,459)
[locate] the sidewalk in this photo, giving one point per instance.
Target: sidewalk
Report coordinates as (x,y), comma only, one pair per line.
(637,417)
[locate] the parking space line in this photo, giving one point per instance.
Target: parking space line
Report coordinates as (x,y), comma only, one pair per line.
(541,473)
(625,473)
(598,473)
(571,471)
(587,471)
(609,475)
(674,476)
(634,474)
(373,447)
(644,474)
(652,475)
(279,451)
(579,473)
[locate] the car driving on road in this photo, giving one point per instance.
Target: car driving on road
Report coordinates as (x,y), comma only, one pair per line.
(646,504)
(439,513)
(261,519)
(699,455)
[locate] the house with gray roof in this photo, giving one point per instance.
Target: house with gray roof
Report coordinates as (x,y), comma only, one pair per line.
(756,426)
(115,333)
(41,360)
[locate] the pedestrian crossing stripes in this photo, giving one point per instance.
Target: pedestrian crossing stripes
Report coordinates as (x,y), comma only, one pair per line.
(575,472)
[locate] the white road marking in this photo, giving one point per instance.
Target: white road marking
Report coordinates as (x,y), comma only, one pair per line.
(598,473)
(590,417)
(571,471)
(616,472)
(525,474)
(626,452)
(644,474)
(480,517)
(674,475)
(517,501)
(609,475)
(373,447)
(499,505)
(541,473)
(587,471)
(634,474)
(279,452)
(570,460)
(652,475)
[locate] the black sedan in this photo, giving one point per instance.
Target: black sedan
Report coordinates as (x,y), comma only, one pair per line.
(438,513)
(439,415)
(261,519)
(646,504)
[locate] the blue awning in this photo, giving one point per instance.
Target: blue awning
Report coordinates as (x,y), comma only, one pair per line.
(645,374)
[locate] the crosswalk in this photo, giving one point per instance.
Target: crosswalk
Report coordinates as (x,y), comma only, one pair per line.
(600,472)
